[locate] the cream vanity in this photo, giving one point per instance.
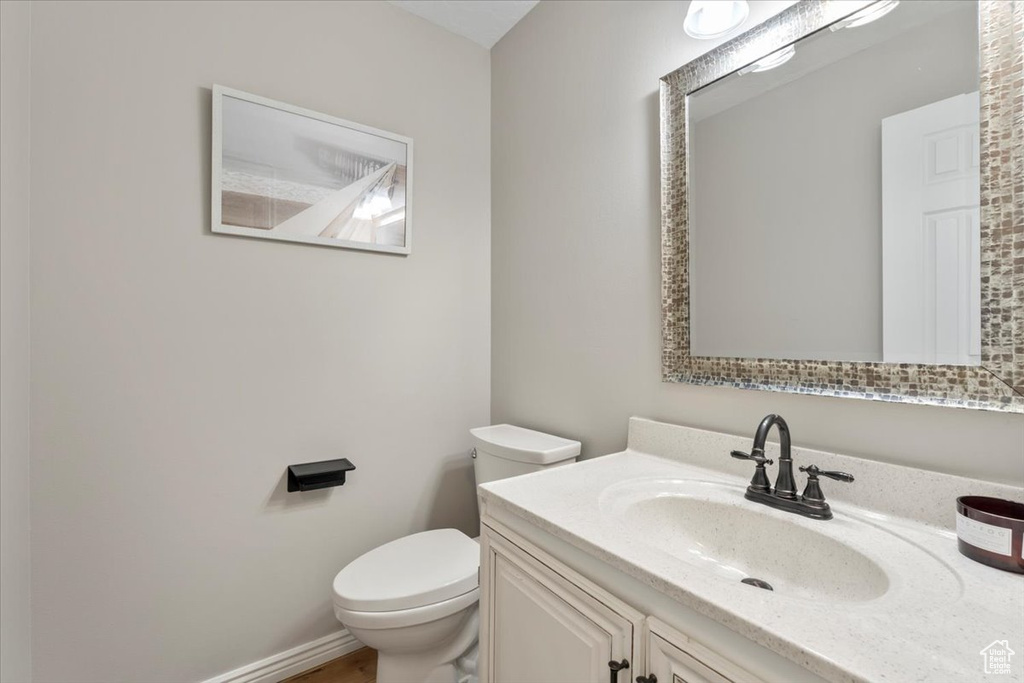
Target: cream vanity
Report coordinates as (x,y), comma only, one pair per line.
(630,567)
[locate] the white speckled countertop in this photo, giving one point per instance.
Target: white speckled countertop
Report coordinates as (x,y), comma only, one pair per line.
(939,611)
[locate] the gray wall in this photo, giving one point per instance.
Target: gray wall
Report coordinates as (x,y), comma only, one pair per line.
(786,237)
(176,373)
(15,564)
(575,247)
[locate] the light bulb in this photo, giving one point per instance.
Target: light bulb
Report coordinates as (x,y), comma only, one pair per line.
(714,18)
(866,16)
(775,59)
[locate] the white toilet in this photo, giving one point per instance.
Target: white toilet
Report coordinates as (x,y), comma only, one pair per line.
(414,600)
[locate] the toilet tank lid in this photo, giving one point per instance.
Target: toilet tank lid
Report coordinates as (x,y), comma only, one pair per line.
(524,445)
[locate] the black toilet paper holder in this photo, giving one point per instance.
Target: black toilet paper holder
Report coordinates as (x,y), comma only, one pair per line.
(310,476)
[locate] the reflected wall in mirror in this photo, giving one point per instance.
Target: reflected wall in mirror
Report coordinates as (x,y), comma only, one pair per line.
(839,213)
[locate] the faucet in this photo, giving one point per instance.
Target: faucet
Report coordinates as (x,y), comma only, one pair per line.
(785,486)
(784,497)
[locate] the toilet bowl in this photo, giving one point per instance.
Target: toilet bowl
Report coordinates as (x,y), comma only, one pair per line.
(415,599)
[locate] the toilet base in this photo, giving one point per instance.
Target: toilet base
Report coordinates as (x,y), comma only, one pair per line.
(423,667)
(451,661)
(392,668)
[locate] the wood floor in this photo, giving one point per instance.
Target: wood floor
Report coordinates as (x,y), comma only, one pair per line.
(358,667)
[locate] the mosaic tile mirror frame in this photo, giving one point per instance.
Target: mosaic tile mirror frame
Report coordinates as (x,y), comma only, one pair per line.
(996,384)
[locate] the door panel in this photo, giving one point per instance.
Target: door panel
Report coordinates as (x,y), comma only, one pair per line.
(542,623)
(673,657)
(538,636)
(669,663)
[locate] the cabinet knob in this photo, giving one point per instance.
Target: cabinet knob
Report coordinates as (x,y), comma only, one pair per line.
(616,667)
(647,679)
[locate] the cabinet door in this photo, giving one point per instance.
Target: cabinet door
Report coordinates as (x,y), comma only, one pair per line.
(540,627)
(673,657)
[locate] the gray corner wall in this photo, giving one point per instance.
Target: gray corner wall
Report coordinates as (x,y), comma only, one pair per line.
(576,246)
(15,562)
(176,373)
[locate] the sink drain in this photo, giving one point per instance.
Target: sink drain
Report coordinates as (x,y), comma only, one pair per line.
(757,582)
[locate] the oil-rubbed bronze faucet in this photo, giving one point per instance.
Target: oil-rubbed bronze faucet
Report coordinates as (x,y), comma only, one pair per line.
(783,496)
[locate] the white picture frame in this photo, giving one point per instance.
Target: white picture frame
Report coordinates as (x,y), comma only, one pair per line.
(285,173)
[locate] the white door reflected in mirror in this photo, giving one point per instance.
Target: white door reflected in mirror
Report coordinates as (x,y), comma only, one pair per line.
(931,260)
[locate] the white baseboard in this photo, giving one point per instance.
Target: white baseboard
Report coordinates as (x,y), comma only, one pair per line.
(288,663)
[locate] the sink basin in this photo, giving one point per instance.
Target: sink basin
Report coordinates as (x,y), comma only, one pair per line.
(739,542)
(712,527)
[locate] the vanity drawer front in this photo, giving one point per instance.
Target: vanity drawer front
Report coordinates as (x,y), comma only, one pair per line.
(540,627)
(672,657)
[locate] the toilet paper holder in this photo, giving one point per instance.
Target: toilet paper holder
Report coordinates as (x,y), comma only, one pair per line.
(310,476)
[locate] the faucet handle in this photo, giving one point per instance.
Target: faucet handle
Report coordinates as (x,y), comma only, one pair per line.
(812,492)
(813,473)
(756,457)
(759,483)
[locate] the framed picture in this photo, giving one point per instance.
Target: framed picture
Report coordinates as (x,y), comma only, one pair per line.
(285,173)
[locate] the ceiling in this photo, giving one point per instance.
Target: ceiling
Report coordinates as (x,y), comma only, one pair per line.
(482,21)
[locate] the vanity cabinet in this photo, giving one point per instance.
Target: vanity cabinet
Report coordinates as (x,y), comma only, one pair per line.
(542,622)
(538,624)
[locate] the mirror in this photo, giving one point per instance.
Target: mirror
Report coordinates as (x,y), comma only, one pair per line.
(807,199)
(827,192)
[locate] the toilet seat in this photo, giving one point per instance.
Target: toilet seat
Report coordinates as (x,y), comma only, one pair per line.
(410,573)
(405,617)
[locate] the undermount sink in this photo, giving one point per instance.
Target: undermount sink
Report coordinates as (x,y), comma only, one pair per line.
(709,525)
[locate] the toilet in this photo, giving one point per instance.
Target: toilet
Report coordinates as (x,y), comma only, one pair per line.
(414,600)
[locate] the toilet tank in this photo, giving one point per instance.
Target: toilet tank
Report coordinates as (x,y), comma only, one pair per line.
(502,451)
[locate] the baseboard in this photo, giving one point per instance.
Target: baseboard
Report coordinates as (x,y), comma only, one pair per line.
(294,661)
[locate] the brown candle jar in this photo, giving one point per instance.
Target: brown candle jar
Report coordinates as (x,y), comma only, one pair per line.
(991,531)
